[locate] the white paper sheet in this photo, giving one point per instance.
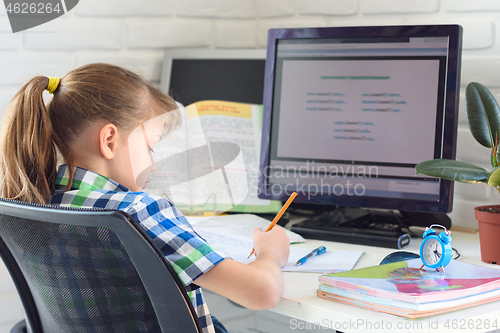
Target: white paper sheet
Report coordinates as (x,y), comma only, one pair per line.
(234,226)
(328,262)
(233,235)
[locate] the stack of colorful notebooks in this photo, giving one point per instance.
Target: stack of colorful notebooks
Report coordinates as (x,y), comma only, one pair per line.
(404,290)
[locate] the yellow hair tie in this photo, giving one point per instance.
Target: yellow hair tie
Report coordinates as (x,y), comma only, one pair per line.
(53,84)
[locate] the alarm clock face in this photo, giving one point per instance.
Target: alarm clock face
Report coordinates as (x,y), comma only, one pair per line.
(432,251)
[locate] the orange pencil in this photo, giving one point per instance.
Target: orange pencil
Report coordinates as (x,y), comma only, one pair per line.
(278,216)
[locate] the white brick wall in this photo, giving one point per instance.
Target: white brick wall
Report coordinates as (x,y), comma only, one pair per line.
(236,34)
(217,8)
(147,64)
(94,8)
(18,67)
(399,6)
(483,69)
(136,33)
(275,8)
(9,41)
(327,7)
(169,33)
(73,32)
(471,6)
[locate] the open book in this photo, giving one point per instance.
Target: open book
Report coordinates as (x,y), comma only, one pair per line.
(211,163)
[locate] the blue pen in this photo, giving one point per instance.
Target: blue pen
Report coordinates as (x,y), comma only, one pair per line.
(315,252)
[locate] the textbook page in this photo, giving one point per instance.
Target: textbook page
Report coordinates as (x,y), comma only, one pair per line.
(217,168)
(239,124)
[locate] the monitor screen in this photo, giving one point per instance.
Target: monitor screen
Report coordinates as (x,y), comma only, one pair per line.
(350,111)
(193,75)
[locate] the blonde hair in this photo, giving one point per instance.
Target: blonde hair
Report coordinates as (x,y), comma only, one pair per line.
(35,134)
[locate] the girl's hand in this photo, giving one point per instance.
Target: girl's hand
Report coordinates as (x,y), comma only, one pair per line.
(272,243)
(262,278)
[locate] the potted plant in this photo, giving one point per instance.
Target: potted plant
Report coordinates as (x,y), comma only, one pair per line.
(483,116)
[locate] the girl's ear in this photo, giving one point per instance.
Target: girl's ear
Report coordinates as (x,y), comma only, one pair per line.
(108,140)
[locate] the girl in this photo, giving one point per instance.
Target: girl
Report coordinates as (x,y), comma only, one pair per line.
(95,122)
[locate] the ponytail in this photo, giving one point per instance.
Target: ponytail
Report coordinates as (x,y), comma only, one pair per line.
(28,151)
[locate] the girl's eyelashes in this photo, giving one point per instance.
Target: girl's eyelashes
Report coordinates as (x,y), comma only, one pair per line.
(151,150)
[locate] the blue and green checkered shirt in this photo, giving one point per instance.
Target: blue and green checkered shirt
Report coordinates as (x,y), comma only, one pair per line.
(188,253)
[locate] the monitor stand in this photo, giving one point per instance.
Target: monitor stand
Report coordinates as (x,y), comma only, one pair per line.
(383,228)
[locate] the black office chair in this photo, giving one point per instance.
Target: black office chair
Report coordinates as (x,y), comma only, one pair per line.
(88,270)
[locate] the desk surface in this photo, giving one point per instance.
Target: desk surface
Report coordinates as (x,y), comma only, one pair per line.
(300,301)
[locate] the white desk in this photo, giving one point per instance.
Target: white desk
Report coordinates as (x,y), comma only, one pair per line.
(300,301)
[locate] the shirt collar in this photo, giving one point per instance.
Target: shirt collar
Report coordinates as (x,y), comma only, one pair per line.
(86,179)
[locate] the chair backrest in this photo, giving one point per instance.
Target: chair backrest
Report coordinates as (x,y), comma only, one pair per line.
(89,270)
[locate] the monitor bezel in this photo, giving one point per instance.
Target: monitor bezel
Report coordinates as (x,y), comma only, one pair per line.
(453,32)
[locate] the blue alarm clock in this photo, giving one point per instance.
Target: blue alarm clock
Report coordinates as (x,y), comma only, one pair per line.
(436,250)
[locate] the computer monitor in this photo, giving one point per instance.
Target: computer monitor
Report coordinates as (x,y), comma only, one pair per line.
(193,75)
(350,111)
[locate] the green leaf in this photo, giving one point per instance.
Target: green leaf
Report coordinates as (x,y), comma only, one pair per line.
(483,114)
(453,170)
(494,178)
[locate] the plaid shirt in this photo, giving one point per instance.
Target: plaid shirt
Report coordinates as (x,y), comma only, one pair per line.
(188,253)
